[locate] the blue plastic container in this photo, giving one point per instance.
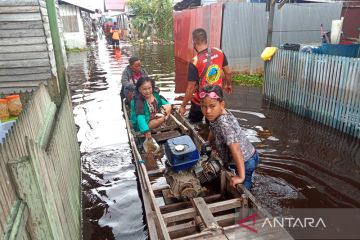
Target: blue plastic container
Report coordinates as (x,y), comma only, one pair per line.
(5,126)
(4,129)
(2,136)
(349,50)
(181,153)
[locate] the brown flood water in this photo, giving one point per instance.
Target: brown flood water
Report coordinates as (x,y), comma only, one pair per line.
(304,164)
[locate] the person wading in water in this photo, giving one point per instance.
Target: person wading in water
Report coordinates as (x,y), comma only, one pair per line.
(208,67)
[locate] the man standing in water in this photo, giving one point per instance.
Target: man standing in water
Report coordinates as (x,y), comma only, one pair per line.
(115,35)
(208,67)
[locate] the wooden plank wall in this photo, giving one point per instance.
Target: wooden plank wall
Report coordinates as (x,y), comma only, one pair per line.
(26,49)
(321,87)
(28,124)
(24,58)
(66,165)
(50,48)
(56,167)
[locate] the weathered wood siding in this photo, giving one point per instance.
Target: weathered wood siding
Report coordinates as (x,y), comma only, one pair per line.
(45,19)
(26,49)
(321,87)
(22,46)
(40,161)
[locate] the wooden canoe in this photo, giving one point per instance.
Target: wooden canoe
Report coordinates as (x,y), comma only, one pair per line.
(214,216)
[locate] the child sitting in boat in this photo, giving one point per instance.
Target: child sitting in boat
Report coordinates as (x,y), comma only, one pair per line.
(232,145)
(149,110)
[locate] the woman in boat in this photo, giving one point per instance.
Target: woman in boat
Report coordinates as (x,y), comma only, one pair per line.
(232,145)
(149,110)
(130,76)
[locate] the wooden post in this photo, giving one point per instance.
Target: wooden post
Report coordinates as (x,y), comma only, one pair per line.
(270,7)
(29,190)
(270,23)
(44,135)
(223,183)
(55,36)
(17,222)
(204,212)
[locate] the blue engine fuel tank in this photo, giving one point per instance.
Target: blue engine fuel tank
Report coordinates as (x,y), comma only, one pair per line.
(181,153)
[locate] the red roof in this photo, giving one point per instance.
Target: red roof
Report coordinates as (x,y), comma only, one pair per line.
(118,5)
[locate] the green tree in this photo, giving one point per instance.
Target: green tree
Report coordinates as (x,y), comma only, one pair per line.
(152,17)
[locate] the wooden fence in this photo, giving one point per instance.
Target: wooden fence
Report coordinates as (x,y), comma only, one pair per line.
(321,87)
(40,173)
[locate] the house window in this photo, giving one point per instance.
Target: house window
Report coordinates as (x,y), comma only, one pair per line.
(70,23)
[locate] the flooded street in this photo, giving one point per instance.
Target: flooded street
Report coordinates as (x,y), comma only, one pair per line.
(304,164)
(112,208)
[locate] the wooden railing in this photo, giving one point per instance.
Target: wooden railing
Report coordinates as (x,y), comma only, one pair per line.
(40,173)
(321,87)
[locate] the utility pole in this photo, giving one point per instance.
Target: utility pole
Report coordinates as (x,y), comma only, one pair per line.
(270,7)
(55,36)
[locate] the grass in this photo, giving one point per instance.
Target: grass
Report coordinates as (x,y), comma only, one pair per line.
(74,50)
(250,80)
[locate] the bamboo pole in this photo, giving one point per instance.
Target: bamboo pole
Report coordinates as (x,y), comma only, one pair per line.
(179,123)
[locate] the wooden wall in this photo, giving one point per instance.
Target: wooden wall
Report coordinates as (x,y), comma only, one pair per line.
(26,49)
(40,173)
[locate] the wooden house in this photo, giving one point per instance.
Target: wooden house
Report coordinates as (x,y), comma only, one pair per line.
(74,16)
(27,56)
(42,141)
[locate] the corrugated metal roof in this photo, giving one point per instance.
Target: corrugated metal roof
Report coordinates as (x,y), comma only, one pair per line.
(115,5)
(84,4)
(207,2)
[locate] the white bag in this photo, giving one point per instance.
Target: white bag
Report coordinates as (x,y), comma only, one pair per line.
(151,146)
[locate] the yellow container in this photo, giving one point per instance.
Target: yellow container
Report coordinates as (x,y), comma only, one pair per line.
(268,52)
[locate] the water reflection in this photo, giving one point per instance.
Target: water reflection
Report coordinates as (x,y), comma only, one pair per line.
(112,208)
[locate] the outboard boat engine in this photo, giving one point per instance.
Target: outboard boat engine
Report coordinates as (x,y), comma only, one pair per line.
(207,170)
(181,155)
(185,173)
(183,185)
